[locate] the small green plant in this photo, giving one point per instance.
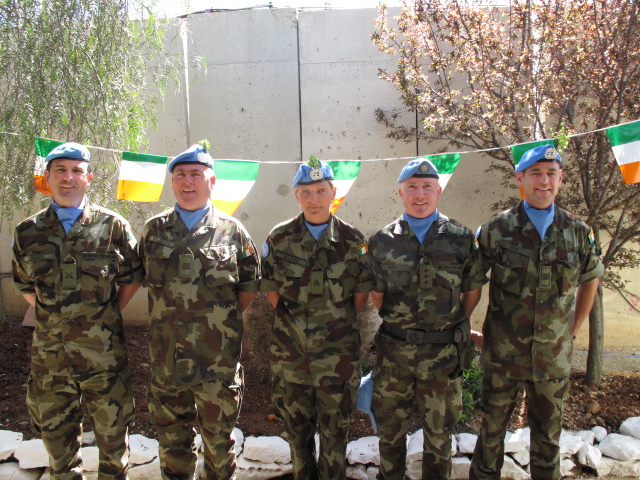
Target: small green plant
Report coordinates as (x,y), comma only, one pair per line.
(471,392)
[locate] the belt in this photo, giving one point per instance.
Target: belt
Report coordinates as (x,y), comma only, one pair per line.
(419,337)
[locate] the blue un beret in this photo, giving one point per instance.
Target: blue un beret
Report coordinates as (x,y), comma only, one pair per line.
(543,153)
(313,171)
(194,154)
(69,150)
(420,167)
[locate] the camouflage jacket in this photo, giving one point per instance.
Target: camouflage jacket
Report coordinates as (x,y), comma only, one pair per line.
(315,325)
(527,330)
(78,325)
(422,283)
(193,278)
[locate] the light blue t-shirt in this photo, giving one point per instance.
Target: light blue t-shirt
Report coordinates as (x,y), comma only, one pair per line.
(191,217)
(541,219)
(68,215)
(421,226)
(317,230)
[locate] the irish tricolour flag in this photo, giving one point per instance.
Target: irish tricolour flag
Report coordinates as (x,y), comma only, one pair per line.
(234,179)
(625,142)
(345,173)
(141,177)
(519,150)
(43,148)
(446,165)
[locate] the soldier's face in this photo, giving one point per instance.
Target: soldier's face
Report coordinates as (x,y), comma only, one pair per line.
(69,180)
(540,182)
(192,185)
(420,196)
(315,201)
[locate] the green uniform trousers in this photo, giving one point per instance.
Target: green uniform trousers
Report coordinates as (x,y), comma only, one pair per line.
(54,406)
(544,399)
(174,410)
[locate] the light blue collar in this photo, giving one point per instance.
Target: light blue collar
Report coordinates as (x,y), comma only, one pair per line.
(191,217)
(421,226)
(541,219)
(317,230)
(68,215)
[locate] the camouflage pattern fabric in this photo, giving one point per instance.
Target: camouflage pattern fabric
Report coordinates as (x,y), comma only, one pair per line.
(315,351)
(422,284)
(545,400)
(78,343)
(171,409)
(529,324)
(193,279)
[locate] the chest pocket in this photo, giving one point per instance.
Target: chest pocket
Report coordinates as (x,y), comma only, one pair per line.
(510,268)
(157,254)
(568,272)
(40,267)
(448,280)
(400,276)
(341,279)
(288,275)
(219,265)
(97,283)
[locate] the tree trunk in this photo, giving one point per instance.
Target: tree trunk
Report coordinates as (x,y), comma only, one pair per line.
(595,358)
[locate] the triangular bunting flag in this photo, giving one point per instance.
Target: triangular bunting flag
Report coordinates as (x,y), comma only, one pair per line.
(234,180)
(446,165)
(519,150)
(625,143)
(345,173)
(141,177)
(43,148)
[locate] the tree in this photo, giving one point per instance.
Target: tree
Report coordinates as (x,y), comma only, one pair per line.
(483,77)
(82,70)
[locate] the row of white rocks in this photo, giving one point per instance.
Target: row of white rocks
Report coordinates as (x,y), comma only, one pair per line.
(269,457)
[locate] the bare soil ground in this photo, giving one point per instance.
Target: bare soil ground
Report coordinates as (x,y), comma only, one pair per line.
(617,399)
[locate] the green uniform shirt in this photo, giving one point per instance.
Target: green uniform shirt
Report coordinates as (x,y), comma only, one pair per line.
(193,278)
(527,331)
(78,325)
(315,325)
(422,283)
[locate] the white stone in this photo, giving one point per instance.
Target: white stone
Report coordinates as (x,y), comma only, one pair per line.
(90,459)
(12,471)
(357,472)
(9,441)
(415,447)
(414,471)
(587,436)
(32,454)
(522,435)
(142,449)
(316,437)
(198,443)
(454,446)
(605,466)
(631,427)
(620,447)
(238,438)
(267,450)
(372,472)
(514,442)
(148,471)
(249,470)
(511,470)
(568,468)
(199,472)
(523,457)
(364,450)
(569,444)
(616,468)
(466,443)
(589,456)
(88,439)
(600,433)
(460,468)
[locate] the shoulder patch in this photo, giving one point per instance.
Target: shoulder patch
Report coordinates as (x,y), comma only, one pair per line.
(265,250)
(248,250)
(363,248)
(592,237)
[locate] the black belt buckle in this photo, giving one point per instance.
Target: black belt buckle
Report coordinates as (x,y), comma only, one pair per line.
(415,336)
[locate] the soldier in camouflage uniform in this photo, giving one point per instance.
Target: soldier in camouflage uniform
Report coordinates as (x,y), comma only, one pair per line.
(427,279)
(67,261)
(202,271)
(316,275)
(544,275)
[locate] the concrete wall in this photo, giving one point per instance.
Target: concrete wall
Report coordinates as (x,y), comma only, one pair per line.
(282,85)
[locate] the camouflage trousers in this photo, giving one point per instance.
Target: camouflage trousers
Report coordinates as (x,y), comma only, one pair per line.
(54,406)
(439,402)
(174,410)
(301,406)
(545,400)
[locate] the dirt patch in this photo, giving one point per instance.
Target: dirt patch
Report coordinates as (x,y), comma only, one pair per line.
(617,399)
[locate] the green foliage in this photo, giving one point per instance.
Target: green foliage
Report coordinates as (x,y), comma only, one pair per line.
(471,392)
(82,71)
